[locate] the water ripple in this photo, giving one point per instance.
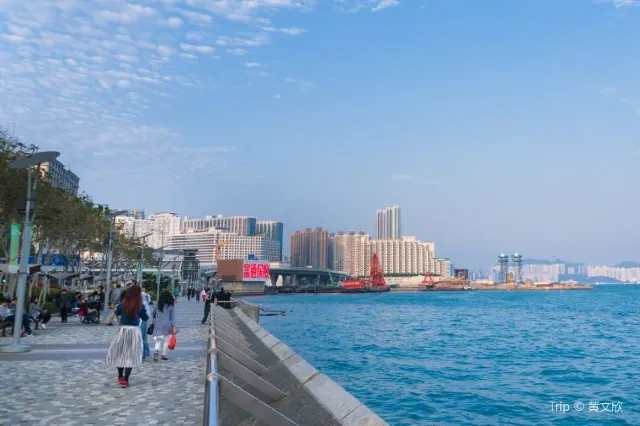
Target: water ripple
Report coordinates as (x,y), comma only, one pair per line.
(481,358)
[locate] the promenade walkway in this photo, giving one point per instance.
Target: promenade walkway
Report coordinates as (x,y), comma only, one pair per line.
(64,380)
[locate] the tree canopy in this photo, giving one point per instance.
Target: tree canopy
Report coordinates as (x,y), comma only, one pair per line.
(65,223)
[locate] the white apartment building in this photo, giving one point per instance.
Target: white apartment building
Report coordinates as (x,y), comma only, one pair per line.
(232,246)
(352,253)
(389,223)
(242,225)
(408,256)
(159,225)
(405,256)
(60,177)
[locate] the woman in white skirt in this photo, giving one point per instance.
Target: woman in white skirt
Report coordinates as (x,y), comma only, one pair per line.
(125,352)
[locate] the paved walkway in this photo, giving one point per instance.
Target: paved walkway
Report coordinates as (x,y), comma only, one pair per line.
(64,380)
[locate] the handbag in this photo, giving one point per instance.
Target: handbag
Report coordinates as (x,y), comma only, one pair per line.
(172,342)
(150,329)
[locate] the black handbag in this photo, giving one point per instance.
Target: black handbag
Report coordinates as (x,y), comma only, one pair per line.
(150,329)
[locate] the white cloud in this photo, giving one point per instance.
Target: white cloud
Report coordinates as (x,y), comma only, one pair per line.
(173,22)
(197,17)
(608,90)
(237,52)
(199,49)
(385,4)
(619,3)
(128,14)
(276,96)
(288,31)
(302,84)
(252,64)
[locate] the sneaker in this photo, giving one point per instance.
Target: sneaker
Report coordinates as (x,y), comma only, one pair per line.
(44,326)
(155,357)
(120,379)
(124,383)
(164,358)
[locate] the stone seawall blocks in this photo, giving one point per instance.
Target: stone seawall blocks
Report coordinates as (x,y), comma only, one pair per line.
(337,400)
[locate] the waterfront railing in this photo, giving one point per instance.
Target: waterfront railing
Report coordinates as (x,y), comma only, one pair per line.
(229,350)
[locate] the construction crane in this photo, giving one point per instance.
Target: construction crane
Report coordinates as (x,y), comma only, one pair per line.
(427,282)
(219,248)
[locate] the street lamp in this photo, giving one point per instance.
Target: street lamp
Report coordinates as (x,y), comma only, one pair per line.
(25,162)
(142,257)
(107,289)
(162,252)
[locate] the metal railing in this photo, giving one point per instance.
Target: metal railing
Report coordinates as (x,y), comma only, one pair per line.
(211,393)
(229,350)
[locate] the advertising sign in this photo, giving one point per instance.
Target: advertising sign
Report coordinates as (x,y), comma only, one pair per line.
(254,271)
(14,247)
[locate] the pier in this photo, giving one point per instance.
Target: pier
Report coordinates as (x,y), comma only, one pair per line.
(230,371)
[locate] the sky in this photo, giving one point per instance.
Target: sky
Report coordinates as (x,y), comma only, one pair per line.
(497,126)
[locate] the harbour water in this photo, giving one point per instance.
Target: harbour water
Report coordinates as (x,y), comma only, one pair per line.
(481,358)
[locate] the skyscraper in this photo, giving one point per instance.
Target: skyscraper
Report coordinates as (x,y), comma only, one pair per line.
(310,248)
(389,223)
(273,230)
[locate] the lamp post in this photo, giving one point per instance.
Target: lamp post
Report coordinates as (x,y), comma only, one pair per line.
(25,163)
(162,252)
(142,257)
(107,290)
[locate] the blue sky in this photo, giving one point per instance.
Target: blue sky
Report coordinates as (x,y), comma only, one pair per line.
(496,125)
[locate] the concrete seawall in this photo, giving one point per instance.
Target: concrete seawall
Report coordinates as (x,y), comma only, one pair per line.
(308,396)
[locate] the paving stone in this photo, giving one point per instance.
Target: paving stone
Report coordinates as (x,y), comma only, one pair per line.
(74,392)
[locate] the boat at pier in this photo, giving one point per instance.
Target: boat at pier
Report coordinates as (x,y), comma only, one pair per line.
(374,284)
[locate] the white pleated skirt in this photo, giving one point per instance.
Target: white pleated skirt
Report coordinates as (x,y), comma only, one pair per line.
(126,348)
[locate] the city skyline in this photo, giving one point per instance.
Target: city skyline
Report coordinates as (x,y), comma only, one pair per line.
(491,125)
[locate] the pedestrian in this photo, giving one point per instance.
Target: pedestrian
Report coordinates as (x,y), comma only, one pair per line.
(207,304)
(114,302)
(189,294)
(64,304)
(126,349)
(197,293)
(144,324)
(164,324)
(203,295)
(41,315)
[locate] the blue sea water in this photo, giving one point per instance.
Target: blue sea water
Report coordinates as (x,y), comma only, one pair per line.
(481,358)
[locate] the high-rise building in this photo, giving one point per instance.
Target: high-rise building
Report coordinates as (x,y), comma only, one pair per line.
(60,177)
(352,253)
(389,223)
(241,225)
(160,225)
(273,230)
(134,213)
(407,256)
(235,247)
(310,248)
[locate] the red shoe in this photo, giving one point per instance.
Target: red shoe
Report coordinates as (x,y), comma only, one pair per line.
(125,383)
(120,379)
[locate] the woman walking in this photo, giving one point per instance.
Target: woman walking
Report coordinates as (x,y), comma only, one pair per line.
(143,325)
(164,324)
(125,352)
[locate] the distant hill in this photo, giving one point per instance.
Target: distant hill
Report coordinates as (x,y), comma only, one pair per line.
(628,264)
(547,262)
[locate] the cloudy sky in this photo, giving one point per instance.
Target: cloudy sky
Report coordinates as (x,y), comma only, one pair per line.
(497,125)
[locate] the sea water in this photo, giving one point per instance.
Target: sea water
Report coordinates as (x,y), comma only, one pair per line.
(482,358)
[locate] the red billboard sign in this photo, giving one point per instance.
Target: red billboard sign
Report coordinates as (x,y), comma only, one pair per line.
(255,272)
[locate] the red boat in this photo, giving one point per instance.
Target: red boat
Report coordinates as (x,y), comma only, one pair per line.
(374,284)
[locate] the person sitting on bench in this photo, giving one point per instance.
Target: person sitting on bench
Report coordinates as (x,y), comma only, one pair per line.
(7,315)
(41,316)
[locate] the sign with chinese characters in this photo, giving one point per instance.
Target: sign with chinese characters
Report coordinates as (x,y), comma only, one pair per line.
(255,271)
